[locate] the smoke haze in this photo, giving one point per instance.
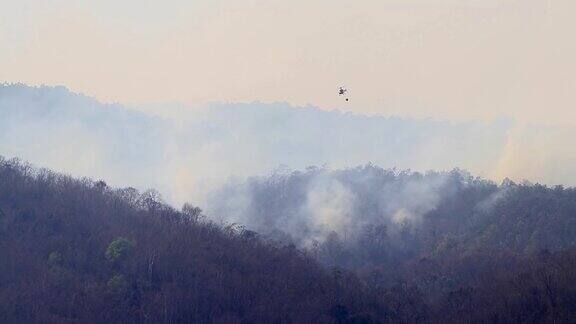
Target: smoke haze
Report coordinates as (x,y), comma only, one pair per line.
(306,207)
(188,152)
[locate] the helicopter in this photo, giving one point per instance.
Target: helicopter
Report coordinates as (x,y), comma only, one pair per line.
(342,91)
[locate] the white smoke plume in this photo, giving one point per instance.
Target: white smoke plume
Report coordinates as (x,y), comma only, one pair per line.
(307,207)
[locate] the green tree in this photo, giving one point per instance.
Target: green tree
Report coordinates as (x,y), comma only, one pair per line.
(119,249)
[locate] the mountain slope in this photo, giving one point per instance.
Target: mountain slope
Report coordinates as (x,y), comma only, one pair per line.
(78,251)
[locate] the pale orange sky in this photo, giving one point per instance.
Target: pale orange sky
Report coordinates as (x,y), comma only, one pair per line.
(453,59)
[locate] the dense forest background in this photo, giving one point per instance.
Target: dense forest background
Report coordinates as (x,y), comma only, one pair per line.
(407,247)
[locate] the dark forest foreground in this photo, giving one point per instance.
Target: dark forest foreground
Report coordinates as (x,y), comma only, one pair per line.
(77,251)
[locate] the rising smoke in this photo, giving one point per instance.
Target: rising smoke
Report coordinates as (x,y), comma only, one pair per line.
(307,207)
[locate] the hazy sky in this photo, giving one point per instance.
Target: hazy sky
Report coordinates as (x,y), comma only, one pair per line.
(456,59)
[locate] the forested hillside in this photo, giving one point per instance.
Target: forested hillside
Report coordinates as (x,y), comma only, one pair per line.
(75,250)
(448,248)
(442,245)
